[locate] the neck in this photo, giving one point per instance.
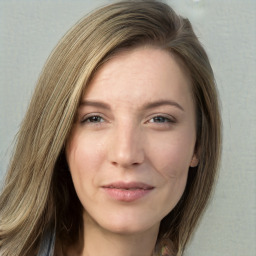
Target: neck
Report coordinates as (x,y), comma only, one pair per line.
(101,242)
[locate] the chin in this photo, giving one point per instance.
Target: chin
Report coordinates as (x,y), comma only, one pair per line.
(129,225)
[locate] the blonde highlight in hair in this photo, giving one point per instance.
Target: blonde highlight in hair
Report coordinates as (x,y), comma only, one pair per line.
(38,189)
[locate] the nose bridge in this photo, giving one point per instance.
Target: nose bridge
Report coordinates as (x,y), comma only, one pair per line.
(126,147)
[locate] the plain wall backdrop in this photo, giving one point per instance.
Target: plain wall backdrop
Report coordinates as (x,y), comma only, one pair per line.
(29,29)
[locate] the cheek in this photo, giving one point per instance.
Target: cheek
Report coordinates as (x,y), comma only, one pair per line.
(171,156)
(84,155)
(171,159)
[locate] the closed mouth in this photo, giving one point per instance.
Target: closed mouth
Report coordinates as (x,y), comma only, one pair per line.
(129,186)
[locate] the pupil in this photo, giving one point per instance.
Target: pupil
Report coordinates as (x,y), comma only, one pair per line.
(159,119)
(95,119)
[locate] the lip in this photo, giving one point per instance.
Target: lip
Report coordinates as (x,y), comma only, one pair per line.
(127,192)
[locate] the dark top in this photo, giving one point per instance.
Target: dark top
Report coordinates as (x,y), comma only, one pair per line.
(47,244)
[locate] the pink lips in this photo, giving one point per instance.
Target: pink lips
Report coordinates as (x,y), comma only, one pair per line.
(127,192)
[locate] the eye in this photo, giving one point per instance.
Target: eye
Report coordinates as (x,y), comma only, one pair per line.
(161,119)
(93,119)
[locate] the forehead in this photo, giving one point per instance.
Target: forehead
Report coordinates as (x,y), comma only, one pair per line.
(143,73)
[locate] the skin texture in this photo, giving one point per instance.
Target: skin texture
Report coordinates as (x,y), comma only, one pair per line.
(126,131)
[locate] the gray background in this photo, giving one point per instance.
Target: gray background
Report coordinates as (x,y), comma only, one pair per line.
(31,28)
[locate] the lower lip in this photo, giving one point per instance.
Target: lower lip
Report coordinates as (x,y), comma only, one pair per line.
(126,195)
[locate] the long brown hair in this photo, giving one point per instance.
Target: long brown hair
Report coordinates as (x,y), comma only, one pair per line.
(38,192)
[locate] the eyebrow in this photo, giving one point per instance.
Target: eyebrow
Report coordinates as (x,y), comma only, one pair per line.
(98,104)
(160,103)
(145,106)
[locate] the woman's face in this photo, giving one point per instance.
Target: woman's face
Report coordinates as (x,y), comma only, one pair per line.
(133,141)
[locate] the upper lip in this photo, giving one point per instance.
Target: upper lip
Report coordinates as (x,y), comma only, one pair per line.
(128,185)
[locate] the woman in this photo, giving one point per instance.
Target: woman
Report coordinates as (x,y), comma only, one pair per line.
(118,151)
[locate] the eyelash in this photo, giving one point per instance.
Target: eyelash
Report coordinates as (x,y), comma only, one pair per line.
(89,119)
(162,118)
(158,119)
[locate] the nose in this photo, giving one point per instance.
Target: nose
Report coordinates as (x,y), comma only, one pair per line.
(126,146)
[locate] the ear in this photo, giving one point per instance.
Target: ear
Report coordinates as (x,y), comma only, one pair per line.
(194,161)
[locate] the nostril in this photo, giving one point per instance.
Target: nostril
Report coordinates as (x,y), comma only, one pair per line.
(114,163)
(124,164)
(126,150)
